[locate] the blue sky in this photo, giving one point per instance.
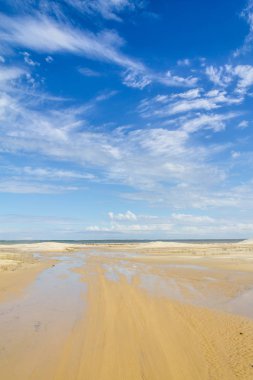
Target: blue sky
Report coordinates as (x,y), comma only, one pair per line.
(126,119)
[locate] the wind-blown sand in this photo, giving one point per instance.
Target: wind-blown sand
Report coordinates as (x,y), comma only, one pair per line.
(127,311)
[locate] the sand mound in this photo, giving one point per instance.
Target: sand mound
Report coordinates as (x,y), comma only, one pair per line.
(38,247)
(164,244)
(247,242)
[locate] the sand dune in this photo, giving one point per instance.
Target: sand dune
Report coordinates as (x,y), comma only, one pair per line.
(247,242)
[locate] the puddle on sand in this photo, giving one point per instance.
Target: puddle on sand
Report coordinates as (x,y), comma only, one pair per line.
(114,254)
(186,292)
(113,271)
(241,304)
(156,285)
(37,256)
(110,273)
(42,318)
(186,266)
(181,289)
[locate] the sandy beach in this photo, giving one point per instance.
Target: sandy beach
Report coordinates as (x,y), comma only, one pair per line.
(126,311)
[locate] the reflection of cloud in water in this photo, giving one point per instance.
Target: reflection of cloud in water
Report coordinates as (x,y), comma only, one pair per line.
(180,288)
(113,271)
(243,303)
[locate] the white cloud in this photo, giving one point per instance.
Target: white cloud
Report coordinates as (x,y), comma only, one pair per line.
(49,59)
(22,187)
(28,59)
(224,229)
(54,131)
(10,73)
(243,124)
(177,225)
(88,72)
(184,62)
(193,100)
(51,173)
(247,14)
(235,154)
(190,94)
(43,34)
(245,74)
(220,76)
(59,133)
(214,122)
(120,156)
(241,75)
(135,79)
(108,9)
(139,79)
(128,215)
(188,218)
(130,228)
(174,80)
(192,192)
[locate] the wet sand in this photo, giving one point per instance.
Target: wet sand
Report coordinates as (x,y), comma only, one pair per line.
(17,271)
(137,311)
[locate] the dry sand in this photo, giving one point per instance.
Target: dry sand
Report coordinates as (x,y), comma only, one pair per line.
(138,311)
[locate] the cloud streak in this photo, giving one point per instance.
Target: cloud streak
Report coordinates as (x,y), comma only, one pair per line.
(247,14)
(175,226)
(44,34)
(108,9)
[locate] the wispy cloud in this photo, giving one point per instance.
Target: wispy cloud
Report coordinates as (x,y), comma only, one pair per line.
(239,75)
(175,225)
(10,73)
(49,59)
(86,71)
(175,80)
(28,59)
(128,215)
(44,34)
(130,229)
(247,14)
(215,122)
(52,173)
(108,9)
(60,133)
(22,187)
(184,62)
(220,76)
(136,79)
(243,124)
(120,156)
(189,218)
(193,100)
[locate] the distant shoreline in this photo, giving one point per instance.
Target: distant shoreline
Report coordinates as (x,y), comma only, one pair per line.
(125,241)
